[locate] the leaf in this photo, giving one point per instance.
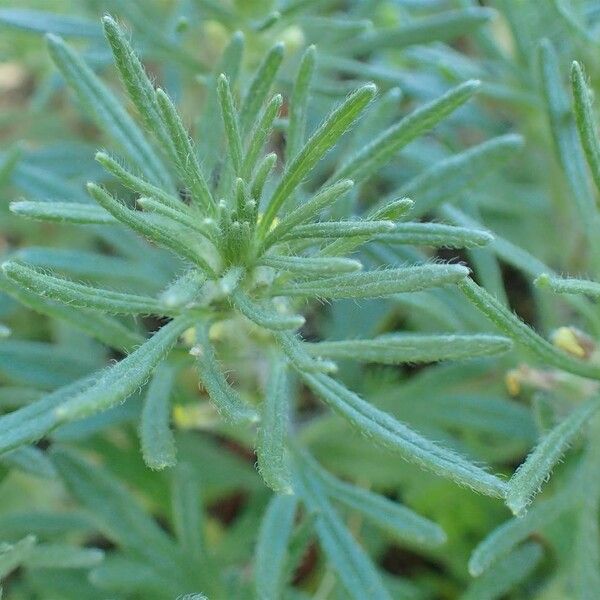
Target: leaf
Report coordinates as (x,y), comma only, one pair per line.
(108,113)
(563,285)
(399,521)
(376,154)
(272,546)
(62,212)
(101,327)
(38,21)
(445,179)
(267,318)
(136,81)
(511,533)
(134,183)
(337,229)
(13,555)
(585,121)
(376,284)
(566,142)
(272,433)
(226,400)
(436,234)
(156,437)
(308,210)
(392,349)
(441,27)
(353,567)
(324,138)
(80,295)
(187,513)
(298,105)
(30,459)
(117,383)
(508,572)
(529,477)
(260,134)
(523,335)
(260,85)
(305,265)
(184,154)
(140,223)
(384,430)
(63,556)
(230,122)
(115,510)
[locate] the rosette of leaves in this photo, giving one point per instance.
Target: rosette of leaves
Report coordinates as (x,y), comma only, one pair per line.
(251,241)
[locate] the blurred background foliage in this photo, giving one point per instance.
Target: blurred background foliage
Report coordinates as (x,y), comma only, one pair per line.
(414,50)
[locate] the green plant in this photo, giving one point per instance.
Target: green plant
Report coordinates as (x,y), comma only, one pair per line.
(207,260)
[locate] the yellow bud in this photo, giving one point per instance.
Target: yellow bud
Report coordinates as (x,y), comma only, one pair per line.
(512,382)
(566,339)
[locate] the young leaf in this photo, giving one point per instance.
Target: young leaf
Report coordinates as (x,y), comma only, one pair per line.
(512,326)
(136,184)
(263,170)
(226,400)
(269,319)
(271,547)
(138,222)
(49,22)
(184,153)
(326,136)
(102,105)
(376,154)
(311,265)
(585,121)
(80,295)
(62,212)
(386,431)
(308,210)
(63,556)
(436,234)
(259,86)
(260,134)
(136,81)
(230,121)
(273,432)
(376,284)
(529,477)
(156,437)
(298,105)
(393,349)
(118,382)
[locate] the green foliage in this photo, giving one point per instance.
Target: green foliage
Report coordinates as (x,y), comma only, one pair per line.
(225,353)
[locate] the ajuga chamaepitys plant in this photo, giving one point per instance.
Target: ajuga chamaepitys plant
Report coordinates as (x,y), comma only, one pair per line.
(225,292)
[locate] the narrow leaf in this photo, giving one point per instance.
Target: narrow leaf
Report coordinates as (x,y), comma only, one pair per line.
(562,285)
(273,432)
(311,265)
(157,441)
(436,234)
(326,136)
(118,382)
(224,397)
(62,212)
(230,122)
(393,349)
(529,477)
(375,284)
(386,431)
(267,318)
(272,546)
(80,295)
(376,154)
(13,555)
(338,229)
